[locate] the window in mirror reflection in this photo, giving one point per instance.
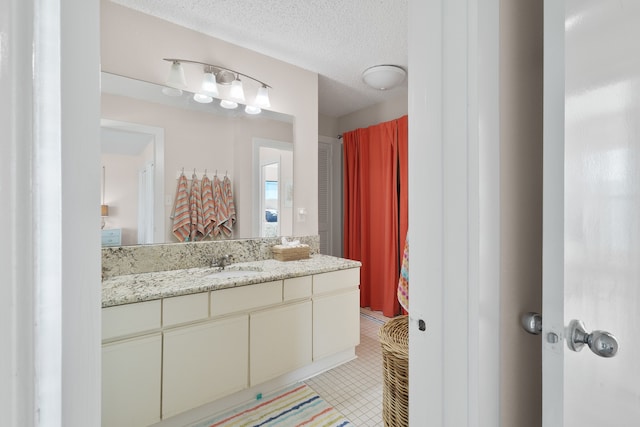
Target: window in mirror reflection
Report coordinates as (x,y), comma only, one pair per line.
(271,201)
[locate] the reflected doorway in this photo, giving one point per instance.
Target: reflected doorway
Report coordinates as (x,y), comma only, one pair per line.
(273,188)
(270,178)
(132,156)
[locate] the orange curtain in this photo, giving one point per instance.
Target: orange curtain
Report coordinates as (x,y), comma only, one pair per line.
(375,205)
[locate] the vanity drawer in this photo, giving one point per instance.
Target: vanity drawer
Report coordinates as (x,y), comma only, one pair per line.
(297,287)
(130,319)
(244,298)
(336,280)
(185,308)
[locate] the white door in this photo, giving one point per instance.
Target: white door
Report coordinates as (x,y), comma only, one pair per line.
(591,253)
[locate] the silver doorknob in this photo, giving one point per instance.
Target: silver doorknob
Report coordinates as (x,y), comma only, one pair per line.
(532,323)
(601,343)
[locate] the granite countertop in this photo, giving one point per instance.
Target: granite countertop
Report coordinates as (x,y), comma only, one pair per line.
(132,288)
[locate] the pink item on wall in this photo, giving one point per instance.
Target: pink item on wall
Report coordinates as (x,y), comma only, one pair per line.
(220,207)
(403,282)
(181,215)
(208,208)
(195,209)
(227,195)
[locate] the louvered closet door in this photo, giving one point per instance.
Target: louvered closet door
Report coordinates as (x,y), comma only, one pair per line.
(324,197)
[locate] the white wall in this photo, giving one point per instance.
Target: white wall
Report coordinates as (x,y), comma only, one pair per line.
(327,126)
(133,45)
(378,113)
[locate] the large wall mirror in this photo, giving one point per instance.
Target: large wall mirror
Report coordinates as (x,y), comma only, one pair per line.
(148,139)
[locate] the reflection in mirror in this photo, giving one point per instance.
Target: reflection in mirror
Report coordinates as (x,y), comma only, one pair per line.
(202,137)
(269,178)
(273,163)
(133,153)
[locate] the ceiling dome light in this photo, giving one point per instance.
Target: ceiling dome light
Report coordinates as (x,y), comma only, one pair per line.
(237,92)
(252,109)
(383,77)
(202,98)
(229,105)
(262,97)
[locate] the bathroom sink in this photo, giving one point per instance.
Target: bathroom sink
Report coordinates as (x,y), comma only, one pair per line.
(231,273)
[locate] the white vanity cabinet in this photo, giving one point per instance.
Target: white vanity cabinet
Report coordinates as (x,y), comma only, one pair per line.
(336,312)
(167,356)
(204,362)
(131,364)
(280,341)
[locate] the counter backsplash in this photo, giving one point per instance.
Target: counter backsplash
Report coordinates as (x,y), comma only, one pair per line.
(117,261)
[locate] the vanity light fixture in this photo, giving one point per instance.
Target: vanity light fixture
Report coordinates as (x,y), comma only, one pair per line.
(237,91)
(262,98)
(213,76)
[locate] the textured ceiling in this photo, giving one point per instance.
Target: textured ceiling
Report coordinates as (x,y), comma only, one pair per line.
(338,39)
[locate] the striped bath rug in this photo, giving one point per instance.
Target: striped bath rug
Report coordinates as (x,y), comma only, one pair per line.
(297,405)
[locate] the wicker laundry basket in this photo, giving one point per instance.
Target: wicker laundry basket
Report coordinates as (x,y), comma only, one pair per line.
(394,338)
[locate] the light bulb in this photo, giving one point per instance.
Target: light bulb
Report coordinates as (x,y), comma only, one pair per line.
(209,85)
(176,76)
(252,109)
(262,97)
(202,98)
(237,92)
(229,105)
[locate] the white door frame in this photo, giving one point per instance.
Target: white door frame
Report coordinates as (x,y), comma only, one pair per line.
(553,210)
(454,213)
(49,256)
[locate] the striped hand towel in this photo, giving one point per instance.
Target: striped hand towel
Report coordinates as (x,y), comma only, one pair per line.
(195,207)
(220,207)
(227,196)
(181,216)
(208,208)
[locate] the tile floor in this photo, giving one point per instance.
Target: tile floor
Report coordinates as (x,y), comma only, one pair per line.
(355,388)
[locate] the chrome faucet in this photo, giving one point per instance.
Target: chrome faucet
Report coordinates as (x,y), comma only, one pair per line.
(221,262)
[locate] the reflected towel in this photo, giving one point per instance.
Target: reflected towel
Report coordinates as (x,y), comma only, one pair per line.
(403,283)
(181,216)
(195,208)
(208,208)
(220,207)
(227,196)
